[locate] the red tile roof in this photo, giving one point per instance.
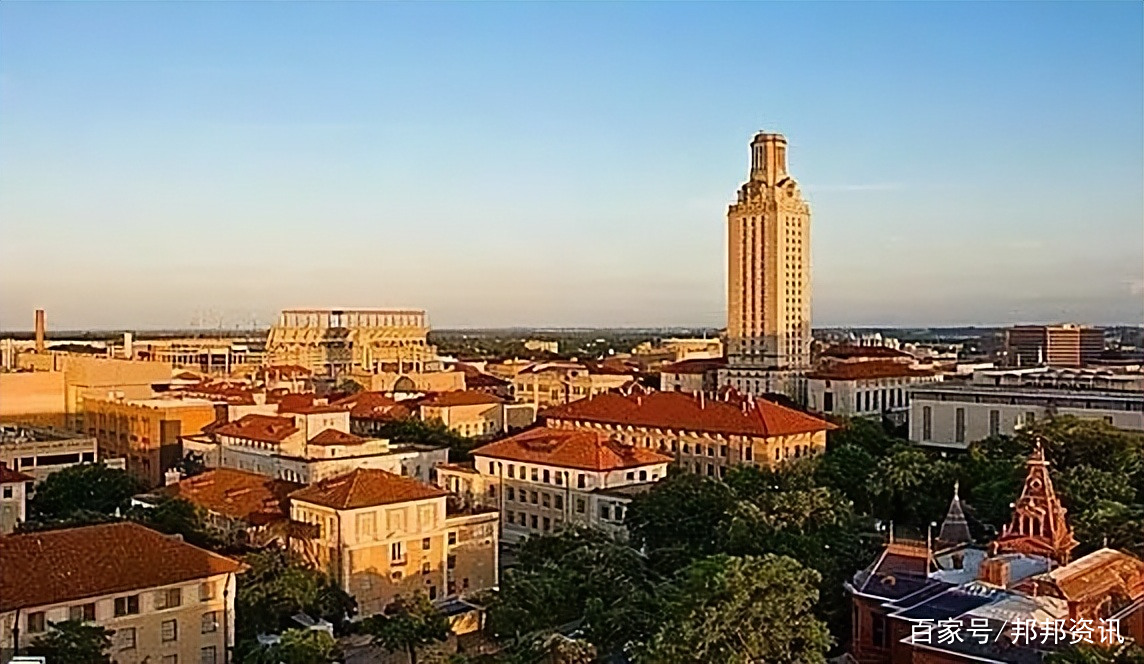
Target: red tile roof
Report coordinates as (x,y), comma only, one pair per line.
(9,476)
(236,395)
(306,404)
(849,351)
(570,448)
(684,412)
(335,437)
(254,498)
(474,377)
(460,398)
(57,566)
(264,428)
(373,406)
(366,488)
(697,366)
(868,370)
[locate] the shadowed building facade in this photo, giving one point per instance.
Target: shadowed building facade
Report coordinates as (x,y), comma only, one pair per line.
(768,278)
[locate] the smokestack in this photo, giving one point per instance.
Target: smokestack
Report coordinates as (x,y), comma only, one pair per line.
(40,331)
(128,346)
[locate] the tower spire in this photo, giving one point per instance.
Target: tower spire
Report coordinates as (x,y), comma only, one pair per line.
(1038,525)
(955,528)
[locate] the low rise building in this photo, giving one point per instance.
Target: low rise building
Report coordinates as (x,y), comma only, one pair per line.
(381,535)
(541,479)
(308,447)
(470,413)
(705,434)
(242,507)
(167,601)
(147,432)
(865,381)
(691,376)
(547,384)
(955,415)
(39,452)
(953,602)
(13,498)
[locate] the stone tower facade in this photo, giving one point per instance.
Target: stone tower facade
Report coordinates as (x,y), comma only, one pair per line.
(768,277)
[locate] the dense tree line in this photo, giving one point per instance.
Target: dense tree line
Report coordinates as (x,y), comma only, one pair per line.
(699,546)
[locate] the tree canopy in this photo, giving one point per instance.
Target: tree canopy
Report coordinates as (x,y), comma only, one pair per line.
(295,646)
(408,624)
(740,611)
(80,494)
(278,586)
(74,642)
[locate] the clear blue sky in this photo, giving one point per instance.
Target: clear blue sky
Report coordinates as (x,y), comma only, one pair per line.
(565,164)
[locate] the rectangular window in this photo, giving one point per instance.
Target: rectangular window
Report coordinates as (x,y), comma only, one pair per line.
(7,492)
(452,537)
(994,422)
(535,520)
(210,622)
(927,423)
(126,606)
(206,591)
(511,517)
(426,543)
(397,553)
(878,631)
(580,505)
(535,497)
(547,524)
(125,638)
(492,468)
(82,612)
(535,475)
(545,500)
(511,471)
(558,501)
(1030,418)
(509,493)
(169,631)
(208,655)
(168,599)
(36,622)
(581,481)
(959,425)
(605,511)
(547,476)
(365,525)
(748,453)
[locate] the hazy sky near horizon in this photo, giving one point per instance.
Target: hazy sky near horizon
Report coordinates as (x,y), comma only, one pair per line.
(565,163)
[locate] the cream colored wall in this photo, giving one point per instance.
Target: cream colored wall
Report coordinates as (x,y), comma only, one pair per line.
(149,648)
(690,383)
(471,421)
(13,508)
(32,393)
(365,538)
(556,387)
(943,416)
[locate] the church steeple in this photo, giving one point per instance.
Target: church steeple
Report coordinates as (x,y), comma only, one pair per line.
(1038,526)
(955,529)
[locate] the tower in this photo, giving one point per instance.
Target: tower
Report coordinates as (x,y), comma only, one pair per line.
(955,528)
(768,277)
(1038,526)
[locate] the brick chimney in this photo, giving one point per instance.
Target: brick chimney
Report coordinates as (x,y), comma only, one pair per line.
(40,328)
(995,572)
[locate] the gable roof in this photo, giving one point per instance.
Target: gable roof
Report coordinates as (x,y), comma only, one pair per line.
(680,411)
(570,448)
(254,498)
(373,406)
(264,428)
(366,488)
(1101,573)
(58,566)
(9,476)
(335,437)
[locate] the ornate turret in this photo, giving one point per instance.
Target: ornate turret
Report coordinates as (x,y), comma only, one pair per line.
(955,529)
(1038,526)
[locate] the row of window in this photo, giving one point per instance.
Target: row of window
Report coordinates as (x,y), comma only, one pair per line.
(126,605)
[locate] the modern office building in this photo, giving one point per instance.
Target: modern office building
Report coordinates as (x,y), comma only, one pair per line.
(1053,345)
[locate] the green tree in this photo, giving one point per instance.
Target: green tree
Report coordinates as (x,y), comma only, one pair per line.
(902,487)
(848,468)
(578,576)
(741,611)
(1129,653)
(432,432)
(74,642)
(408,624)
(277,586)
(84,493)
(176,516)
(295,646)
(681,519)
